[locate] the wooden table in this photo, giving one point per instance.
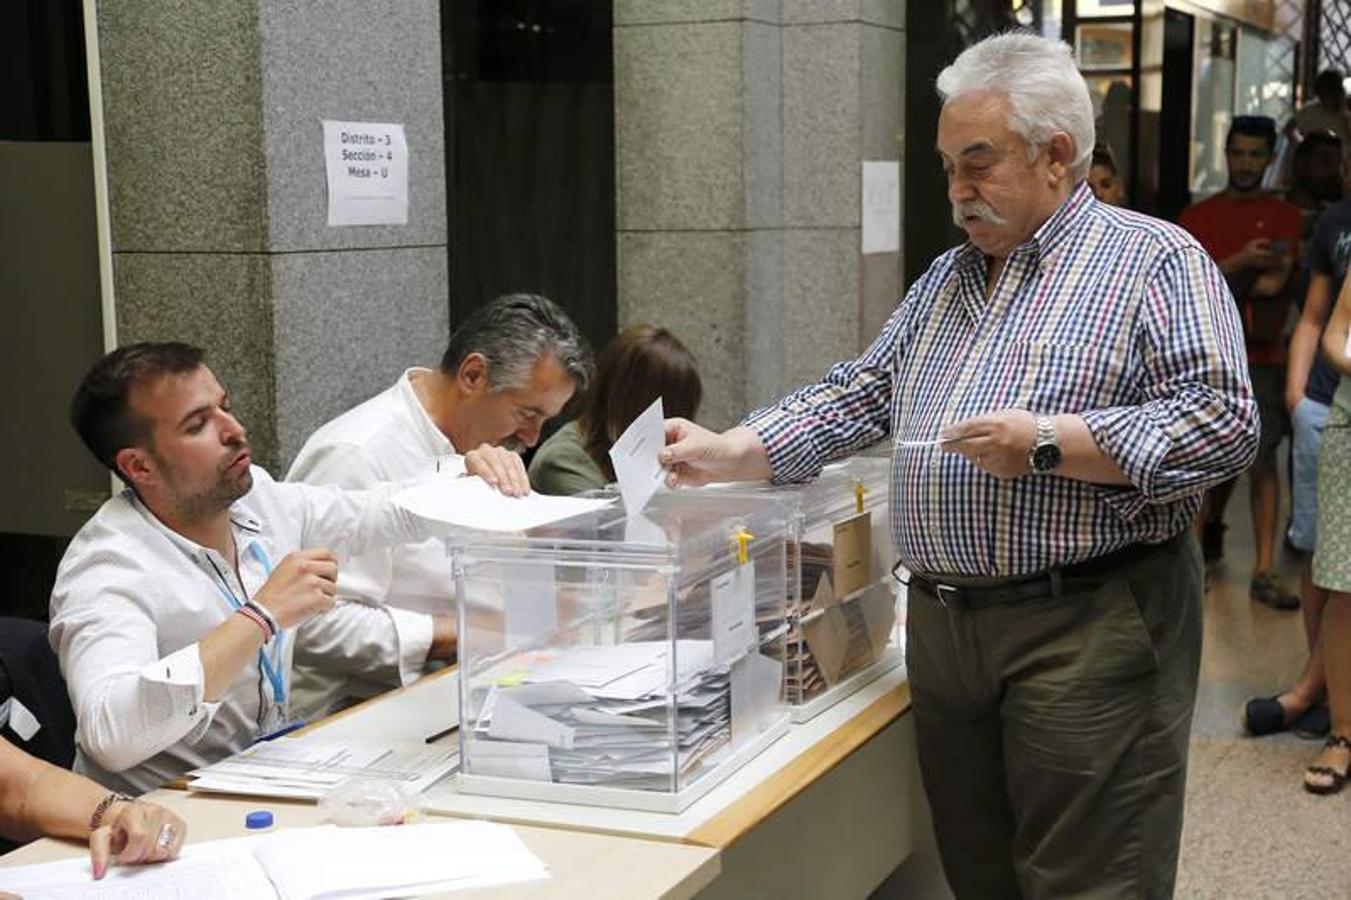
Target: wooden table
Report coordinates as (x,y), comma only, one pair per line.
(838,792)
(583,866)
(829,810)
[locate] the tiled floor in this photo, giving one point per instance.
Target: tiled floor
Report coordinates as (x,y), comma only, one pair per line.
(1251,829)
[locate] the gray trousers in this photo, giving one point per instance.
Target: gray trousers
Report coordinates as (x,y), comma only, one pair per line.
(1053,733)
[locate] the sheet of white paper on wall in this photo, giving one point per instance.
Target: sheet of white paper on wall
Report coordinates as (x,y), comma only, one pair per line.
(881,201)
(634,457)
(367,168)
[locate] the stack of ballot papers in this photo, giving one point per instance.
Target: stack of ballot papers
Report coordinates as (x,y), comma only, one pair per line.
(602,715)
(652,618)
(307,767)
(304,864)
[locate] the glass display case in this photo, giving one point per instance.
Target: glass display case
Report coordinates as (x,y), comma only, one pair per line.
(623,660)
(845,611)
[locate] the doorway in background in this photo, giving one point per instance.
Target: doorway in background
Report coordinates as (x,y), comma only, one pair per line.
(49,294)
(530,159)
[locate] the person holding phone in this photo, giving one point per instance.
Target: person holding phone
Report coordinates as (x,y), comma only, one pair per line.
(1253,235)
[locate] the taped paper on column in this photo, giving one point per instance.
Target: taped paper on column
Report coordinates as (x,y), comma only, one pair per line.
(881,213)
(367,168)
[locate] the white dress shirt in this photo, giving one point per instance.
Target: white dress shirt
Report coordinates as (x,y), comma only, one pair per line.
(388,438)
(133,598)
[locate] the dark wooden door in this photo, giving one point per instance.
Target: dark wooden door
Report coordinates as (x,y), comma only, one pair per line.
(529,88)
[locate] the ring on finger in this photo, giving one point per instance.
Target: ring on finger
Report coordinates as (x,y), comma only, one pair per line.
(167,835)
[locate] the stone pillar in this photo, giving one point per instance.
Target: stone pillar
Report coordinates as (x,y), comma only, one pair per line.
(218,198)
(741,126)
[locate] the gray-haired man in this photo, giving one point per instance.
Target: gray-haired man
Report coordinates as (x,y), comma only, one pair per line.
(1061,389)
(510,367)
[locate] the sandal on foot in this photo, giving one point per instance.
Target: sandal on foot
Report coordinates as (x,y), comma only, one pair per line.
(1338,779)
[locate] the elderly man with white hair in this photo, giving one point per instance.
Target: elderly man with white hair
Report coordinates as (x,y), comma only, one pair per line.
(1060,390)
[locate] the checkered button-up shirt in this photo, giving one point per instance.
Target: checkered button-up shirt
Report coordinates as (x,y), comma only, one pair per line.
(1118,317)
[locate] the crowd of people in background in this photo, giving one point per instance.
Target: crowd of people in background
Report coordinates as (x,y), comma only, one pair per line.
(1285,255)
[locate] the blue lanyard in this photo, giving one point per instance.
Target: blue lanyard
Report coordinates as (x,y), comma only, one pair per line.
(269,669)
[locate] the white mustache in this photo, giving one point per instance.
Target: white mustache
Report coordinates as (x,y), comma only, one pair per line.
(978,208)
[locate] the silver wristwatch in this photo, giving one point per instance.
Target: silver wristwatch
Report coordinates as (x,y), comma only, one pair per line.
(1045,454)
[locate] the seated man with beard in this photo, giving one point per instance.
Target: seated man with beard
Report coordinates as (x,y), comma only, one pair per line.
(181,605)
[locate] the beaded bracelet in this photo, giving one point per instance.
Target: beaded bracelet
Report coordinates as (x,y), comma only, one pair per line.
(256,618)
(97,818)
(266,613)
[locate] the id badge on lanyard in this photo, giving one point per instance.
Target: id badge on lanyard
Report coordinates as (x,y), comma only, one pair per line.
(272,668)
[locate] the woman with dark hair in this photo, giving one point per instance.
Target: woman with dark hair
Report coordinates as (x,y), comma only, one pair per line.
(637,367)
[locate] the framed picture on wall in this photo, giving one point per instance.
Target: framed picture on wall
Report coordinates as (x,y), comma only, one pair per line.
(1104,45)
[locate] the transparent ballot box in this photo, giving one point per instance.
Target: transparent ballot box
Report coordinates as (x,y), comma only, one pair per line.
(617,660)
(845,611)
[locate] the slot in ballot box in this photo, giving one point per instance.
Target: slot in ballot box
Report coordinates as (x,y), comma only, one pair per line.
(844,608)
(623,660)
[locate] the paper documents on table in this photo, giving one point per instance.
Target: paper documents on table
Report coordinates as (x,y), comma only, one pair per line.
(305,864)
(471,503)
(605,715)
(306,767)
(634,457)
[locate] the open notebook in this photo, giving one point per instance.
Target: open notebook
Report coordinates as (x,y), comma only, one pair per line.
(325,863)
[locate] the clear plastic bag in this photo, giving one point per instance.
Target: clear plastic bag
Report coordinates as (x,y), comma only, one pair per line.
(371,801)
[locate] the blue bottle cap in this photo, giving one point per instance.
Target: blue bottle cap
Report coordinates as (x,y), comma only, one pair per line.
(258,819)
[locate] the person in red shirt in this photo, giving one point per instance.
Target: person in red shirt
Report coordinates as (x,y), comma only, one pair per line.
(1254,237)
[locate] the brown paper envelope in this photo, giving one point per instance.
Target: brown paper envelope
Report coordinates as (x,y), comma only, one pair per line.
(828,638)
(824,596)
(853,554)
(878,605)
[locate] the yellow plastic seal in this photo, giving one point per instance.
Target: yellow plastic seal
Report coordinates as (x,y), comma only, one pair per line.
(743,540)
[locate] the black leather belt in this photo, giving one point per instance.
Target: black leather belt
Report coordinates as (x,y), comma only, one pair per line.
(1083,575)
